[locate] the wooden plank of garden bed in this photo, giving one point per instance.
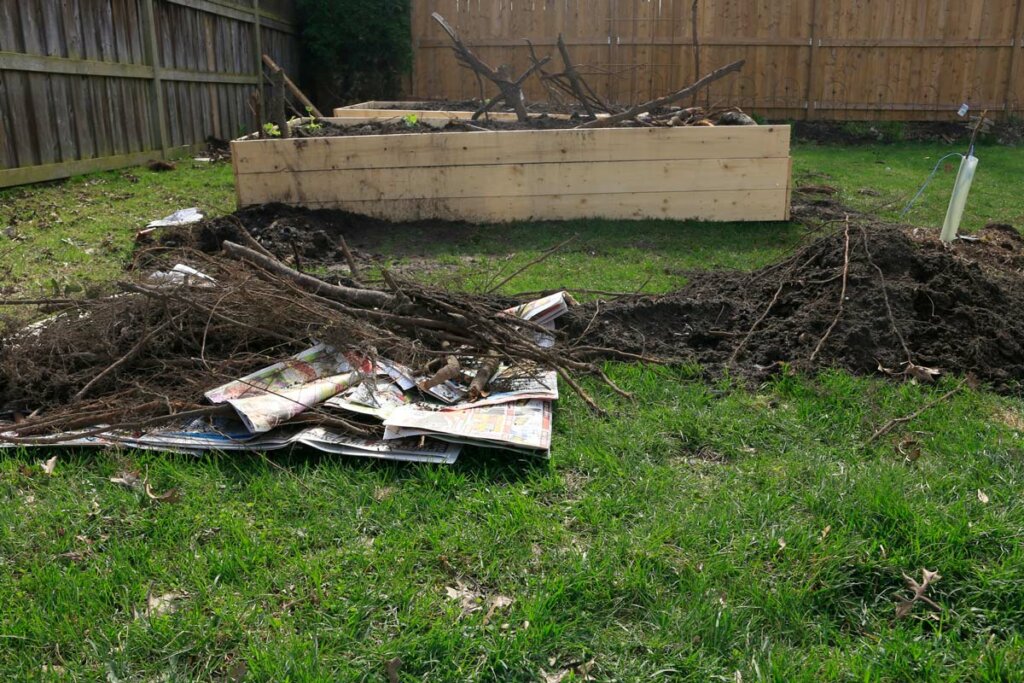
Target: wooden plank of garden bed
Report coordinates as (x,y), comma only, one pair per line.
(511,147)
(515,180)
(726,205)
(421,114)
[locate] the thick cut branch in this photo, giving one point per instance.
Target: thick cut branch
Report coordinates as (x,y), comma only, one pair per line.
(359,297)
(633,112)
(511,89)
(299,95)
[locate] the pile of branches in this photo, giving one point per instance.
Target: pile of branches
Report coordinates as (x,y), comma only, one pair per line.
(570,84)
(144,356)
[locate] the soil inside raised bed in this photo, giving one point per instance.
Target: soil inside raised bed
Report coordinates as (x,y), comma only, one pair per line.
(909,298)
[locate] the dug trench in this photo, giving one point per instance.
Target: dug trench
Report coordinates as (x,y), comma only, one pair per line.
(908,300)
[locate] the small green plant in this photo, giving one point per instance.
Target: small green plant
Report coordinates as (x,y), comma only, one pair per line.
(313,123)
(271,130)
(411,120)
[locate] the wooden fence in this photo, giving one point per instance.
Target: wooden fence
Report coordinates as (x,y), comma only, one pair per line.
(88,85)
(813,59)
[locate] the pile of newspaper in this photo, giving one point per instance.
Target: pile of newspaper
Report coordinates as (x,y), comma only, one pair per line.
(428,424)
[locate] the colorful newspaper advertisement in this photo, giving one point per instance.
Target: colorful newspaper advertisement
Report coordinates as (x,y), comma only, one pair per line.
(264,412)
(312,364)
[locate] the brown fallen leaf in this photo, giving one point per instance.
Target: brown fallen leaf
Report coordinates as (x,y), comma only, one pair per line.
(580,669)
(392,668)
(469,599)
(49,466)
(74,556)
(171,496)
(910,449)
(495,603)
(129,480)
(921,373)
(157,605)
(905,606)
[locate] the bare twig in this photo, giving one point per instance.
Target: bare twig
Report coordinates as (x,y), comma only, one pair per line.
(511,89)
(633,112)
(885,297)
(892,424)
(132,353)
(842,293)
(547,254)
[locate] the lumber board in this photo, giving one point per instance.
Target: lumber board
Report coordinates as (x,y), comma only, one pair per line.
(726,205)
(422,114)
(512,180)
(43,172)
(511,147)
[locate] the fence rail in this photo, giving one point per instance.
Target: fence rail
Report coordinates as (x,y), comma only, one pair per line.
(89,85)
(806,59)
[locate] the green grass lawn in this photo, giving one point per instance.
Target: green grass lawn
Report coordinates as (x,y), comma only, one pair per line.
(704,532)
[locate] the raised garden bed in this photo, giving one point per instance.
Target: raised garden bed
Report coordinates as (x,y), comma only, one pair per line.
(725,173)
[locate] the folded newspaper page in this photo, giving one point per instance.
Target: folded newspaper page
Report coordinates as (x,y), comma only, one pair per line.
(307,366)
(276,394)
(521,426)
(515,384)
(229,434)
(380,401)
(543,312)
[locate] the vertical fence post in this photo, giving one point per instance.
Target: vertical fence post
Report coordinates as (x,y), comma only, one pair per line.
(1016,45)
(257,41)
(812,90)
(153,57)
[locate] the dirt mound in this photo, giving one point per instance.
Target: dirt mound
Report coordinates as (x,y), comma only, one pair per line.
(956,308)
(908,299)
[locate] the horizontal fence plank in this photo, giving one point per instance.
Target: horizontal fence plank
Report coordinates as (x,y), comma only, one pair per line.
(738,205)
(238,13)
(738,41)
(13,61)
(512,147)
(41,173)
(188,76)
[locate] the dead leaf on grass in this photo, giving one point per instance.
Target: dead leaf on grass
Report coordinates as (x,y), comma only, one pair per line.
(49,466)
(73,556)
(171,496)
(392,668)
(469,599)
(1012,419)
(495,603)
(129,480)
(580,669)
(910,449)
(906,606)
(921,373)
(826,531)
(157,605)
